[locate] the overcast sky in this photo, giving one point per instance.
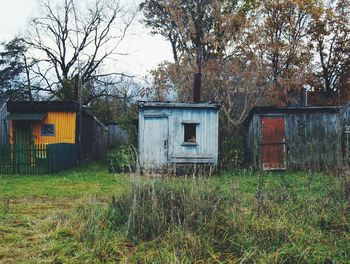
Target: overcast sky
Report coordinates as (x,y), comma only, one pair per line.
(146,51)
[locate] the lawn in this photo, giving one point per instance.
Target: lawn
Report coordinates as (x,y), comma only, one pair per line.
(71,217)
(29,205)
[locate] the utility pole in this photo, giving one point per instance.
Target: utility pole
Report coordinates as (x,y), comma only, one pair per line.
(78,88)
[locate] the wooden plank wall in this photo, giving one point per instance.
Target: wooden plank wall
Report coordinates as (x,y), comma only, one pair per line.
(206,149)
(94,139)
(101,140)
(313,140)
(87,137)
(64,128)
(116,136)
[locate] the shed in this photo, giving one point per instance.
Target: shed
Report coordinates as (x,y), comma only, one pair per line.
(297,138)
(177,133)
(52,122)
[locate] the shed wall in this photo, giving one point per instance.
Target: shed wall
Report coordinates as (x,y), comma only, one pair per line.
(206,149)
(65,123)
(207,134)
(313,140)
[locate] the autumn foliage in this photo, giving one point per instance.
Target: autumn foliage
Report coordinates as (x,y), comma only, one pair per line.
(253,52)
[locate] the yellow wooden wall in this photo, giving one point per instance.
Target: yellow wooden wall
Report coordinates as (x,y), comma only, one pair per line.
(65,123)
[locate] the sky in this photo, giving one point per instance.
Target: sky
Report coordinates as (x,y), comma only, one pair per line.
(146,51)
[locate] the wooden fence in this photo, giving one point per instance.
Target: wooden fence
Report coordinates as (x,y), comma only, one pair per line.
(37,159)
(62,156)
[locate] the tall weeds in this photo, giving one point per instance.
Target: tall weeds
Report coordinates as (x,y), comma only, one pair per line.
(282,220)
(154,208)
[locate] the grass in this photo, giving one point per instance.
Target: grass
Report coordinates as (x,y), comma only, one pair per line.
(31,208)
(93,179)
(230,218)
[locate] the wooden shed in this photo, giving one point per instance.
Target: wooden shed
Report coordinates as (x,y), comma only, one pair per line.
(297,138)
(177,133)
(50,122)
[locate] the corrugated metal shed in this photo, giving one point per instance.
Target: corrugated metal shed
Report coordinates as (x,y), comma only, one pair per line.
(171,133)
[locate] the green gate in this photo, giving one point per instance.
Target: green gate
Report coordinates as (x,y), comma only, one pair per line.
(37,159)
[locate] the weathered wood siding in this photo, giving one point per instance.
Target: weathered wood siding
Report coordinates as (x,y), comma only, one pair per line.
(101,140)
(64,123)
(313,139)
(94,138)
(4,125)
(116,135)
(345,116)
(161,136)
(64,126)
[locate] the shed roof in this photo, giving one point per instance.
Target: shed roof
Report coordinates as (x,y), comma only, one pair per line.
(262,110)
(168,104)
(42,106)
(26,116)
(289,109)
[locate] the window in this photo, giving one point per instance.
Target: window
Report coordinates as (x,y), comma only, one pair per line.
(190,133)
(47,130)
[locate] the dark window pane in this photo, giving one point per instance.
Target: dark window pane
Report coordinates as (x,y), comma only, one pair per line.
(190,133)
(47,130)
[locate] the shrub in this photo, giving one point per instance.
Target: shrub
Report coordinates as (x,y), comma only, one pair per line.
(232,152)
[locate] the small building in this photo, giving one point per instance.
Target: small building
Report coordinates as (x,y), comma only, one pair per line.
(177,133)
(51,122)
(297,138)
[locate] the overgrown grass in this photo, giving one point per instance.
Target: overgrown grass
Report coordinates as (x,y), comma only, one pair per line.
(90,216)
(34,210)
(270,218)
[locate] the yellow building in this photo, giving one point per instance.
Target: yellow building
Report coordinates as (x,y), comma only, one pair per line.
(51,122)
(49,128)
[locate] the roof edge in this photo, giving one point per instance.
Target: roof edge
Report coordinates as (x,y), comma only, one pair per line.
(159,104)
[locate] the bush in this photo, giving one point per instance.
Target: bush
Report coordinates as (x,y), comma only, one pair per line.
(122,159)
(232,152)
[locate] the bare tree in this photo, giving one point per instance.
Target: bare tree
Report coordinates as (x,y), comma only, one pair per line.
(73,38)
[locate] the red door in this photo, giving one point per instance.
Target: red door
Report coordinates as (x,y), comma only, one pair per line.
(273,143)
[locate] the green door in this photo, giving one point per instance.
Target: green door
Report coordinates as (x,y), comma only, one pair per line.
(22,142)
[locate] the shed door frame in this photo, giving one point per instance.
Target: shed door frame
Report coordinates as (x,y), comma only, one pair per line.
(163,142)
(283,150)
(23,132)
(23,140)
